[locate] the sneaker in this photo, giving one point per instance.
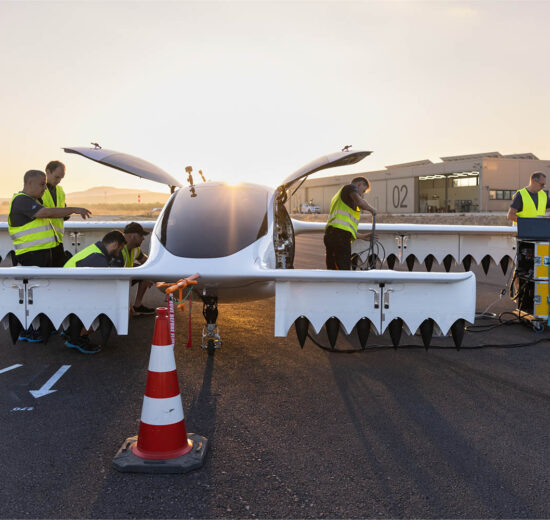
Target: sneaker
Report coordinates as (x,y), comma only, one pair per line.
(143,310)
(64,334)
(83,345)
(34,336)
(23,335)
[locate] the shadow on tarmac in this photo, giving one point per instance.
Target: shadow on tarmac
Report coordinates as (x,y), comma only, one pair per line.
(402,430)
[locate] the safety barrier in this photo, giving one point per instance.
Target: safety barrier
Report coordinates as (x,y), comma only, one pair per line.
(414,244)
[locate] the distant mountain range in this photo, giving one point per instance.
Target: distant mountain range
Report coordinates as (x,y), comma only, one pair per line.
(110,195)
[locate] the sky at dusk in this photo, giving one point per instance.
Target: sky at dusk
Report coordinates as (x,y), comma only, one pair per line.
(251,91)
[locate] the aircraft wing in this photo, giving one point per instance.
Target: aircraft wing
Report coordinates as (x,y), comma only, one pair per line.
(383,297)
(386,299)
(127,163)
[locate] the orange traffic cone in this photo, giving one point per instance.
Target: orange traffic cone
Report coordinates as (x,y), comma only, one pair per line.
(162,445)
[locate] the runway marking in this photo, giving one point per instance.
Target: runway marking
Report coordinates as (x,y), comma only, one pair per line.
(23,409)
(46,387)
(7,369)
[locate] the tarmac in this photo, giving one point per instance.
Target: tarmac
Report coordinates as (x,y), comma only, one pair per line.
(292,433)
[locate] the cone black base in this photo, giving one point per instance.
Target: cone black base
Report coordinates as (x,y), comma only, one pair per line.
(126,462)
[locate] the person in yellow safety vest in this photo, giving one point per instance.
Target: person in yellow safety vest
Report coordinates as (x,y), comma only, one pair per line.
(99,254)
(31,231)
(531,201)
(29,222)
(54,197)
(132,256)
(343,219)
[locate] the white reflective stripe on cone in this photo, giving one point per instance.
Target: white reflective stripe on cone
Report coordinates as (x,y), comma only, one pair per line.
(161,412)
(162,358)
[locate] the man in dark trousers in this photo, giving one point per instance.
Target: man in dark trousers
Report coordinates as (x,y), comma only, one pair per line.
(99,254)
(32,232)
(29,223)
(54,197)
(341,229)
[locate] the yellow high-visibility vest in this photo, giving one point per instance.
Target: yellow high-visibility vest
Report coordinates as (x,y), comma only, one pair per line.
(341,216)
(529,209)
(87,251)
(130,256)
(47,201)
(35,235)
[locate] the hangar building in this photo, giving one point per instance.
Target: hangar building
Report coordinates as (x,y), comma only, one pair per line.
(461,183)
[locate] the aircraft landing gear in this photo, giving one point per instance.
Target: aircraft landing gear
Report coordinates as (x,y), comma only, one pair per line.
(211,339)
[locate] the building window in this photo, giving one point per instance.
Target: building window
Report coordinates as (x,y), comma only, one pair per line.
(466,181)
(501,194)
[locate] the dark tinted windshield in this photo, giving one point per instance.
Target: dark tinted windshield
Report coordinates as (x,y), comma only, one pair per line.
(219,221)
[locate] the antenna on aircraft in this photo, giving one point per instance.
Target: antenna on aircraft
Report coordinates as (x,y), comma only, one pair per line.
(347,148)
(96,146)
(189,169)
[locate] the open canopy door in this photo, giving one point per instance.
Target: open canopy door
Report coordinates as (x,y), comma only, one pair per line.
(344,158)
(127,163)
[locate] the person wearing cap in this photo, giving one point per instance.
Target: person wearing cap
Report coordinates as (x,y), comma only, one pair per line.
(132,256)
(99,254)
(530,201)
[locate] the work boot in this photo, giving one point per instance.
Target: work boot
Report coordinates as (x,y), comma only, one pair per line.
(143,310)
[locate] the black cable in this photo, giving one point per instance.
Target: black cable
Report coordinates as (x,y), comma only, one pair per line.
(371,258)
(370,253)
(435,347)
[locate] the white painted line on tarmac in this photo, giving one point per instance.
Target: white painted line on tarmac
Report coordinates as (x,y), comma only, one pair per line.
(46,387)
(7,369)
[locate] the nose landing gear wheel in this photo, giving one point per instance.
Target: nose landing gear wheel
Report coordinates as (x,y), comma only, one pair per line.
(210,347)
(211,340)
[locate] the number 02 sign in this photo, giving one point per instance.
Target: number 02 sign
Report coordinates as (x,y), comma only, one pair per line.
(401,195)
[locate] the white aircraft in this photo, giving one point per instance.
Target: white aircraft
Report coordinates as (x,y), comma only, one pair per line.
(240,240)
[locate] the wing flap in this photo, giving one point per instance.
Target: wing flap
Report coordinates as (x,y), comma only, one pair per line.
(58,298)
(412,300)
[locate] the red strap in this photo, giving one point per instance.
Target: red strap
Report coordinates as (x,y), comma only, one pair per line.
(189,341)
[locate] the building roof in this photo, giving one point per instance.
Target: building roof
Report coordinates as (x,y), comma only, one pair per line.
(527,155)
(472,156)
(414,163)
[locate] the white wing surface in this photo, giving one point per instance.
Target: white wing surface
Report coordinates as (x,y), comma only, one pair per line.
(385,298)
